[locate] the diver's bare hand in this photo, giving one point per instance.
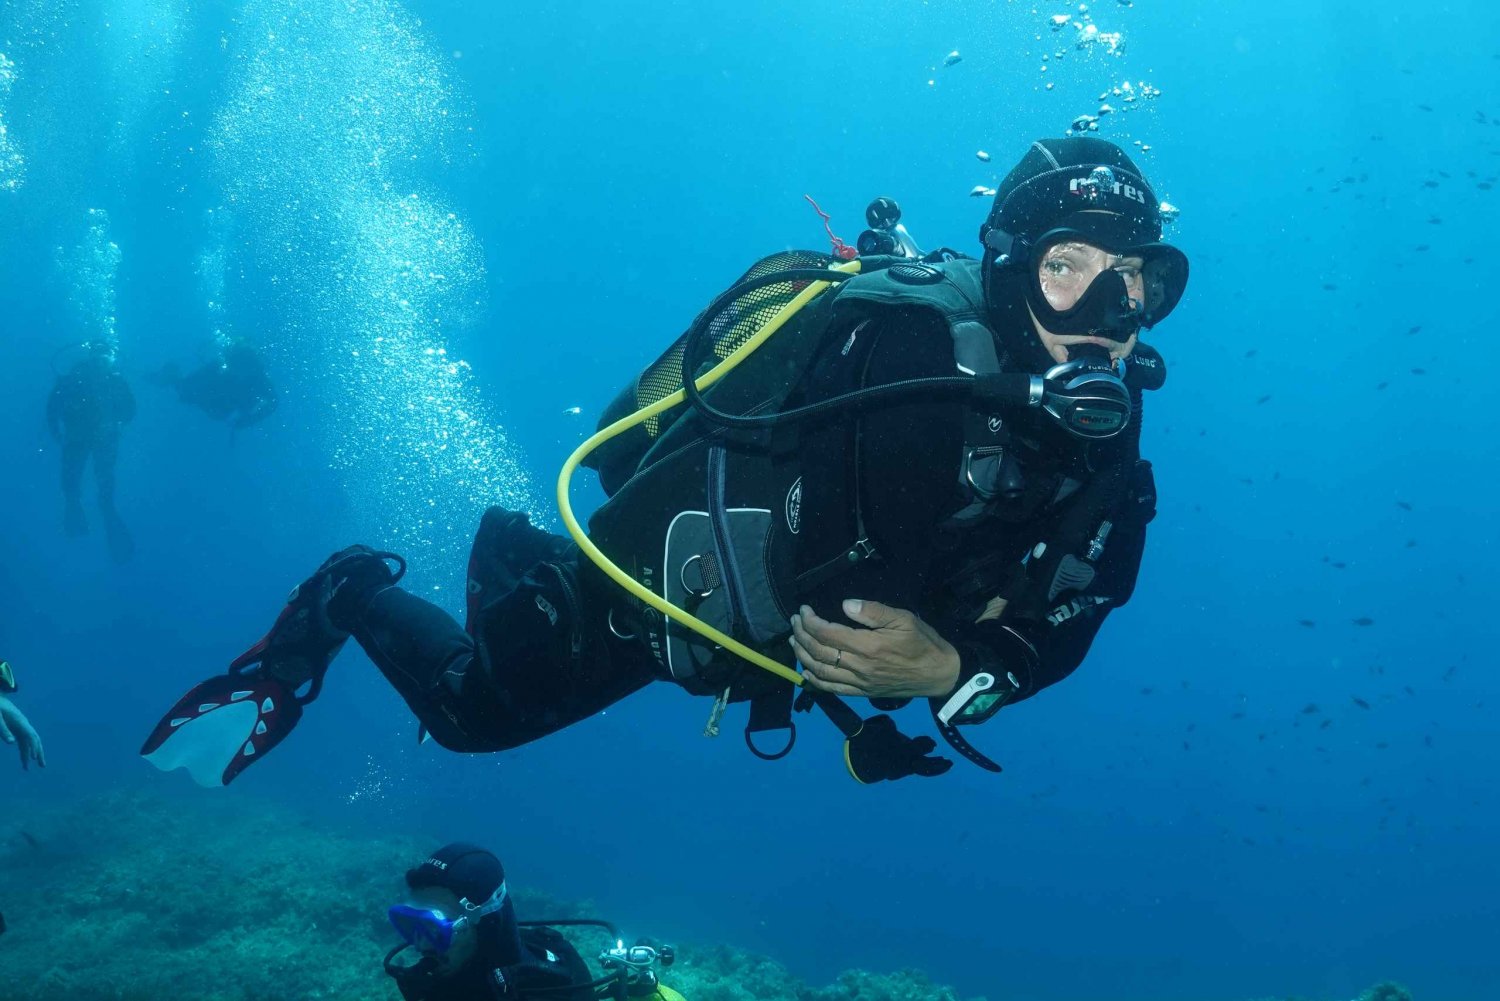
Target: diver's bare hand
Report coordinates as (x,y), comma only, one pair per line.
(896,655)
(15,728)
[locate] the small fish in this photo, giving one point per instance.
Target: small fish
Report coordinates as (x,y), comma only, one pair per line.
(1403,505)
(1448,674)
(1308,623)
(1325,724)
(1264,399)
(980,191)
(1382,385)
(30,839)
(1309,709)
(1360,702)
(1330,287)
(1251,353)
(1429,184)
(572,411)
(1364,620)
(1238,715)
(953,58)
(1425,107)
(1338,565)
(982,156)
(1414,330)
(1419,371)
(1147,691)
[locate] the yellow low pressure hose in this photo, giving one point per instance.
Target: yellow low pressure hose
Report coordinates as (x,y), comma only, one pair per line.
(619,427)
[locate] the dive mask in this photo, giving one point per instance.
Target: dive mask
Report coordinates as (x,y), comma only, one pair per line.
(429,930)
(1106,308)
(1102,206)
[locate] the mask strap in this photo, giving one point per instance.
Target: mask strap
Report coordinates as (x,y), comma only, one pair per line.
(496,901)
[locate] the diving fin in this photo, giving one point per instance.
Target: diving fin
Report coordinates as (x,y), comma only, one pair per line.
(225,724)
(222,727)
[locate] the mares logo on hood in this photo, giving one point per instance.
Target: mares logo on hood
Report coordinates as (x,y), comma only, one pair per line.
(1100,180)
(794,507)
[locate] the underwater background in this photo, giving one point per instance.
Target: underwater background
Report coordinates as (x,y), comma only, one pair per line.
(450,224)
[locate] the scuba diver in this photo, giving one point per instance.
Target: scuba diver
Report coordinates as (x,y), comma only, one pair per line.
(234,388)
(15,728)
(903,475)
(460,941)
(88,406)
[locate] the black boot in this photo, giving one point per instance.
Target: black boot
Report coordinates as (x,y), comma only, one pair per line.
(318,615)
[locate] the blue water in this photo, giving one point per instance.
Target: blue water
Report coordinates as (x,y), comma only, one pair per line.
(449,223)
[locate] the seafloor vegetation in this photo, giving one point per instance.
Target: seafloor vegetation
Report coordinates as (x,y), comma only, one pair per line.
(217,898)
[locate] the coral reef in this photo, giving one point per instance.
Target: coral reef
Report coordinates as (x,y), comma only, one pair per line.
(234,900)
(1386,992)
(223,898)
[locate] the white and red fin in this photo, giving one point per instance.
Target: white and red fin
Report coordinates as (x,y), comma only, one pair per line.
(221,727)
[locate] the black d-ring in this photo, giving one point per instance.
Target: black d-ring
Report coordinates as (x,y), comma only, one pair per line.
(791,742)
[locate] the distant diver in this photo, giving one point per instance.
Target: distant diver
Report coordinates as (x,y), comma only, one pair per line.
(15,728)
(938,454)
(89,405)
(233,388)
(460,941)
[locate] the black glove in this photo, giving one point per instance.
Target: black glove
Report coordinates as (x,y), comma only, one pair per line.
(878,751)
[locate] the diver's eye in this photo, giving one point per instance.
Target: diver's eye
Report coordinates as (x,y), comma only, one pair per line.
(1130,274)
(1056,267)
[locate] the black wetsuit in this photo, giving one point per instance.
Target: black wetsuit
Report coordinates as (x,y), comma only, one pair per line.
(540,653)
(85,412)
(540,963)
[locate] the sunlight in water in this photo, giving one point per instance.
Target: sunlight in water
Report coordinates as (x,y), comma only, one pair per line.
(12,164)
(90,270)
(335,116)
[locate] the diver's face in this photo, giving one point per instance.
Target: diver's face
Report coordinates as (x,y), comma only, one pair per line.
(465,937)
(1065,272)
